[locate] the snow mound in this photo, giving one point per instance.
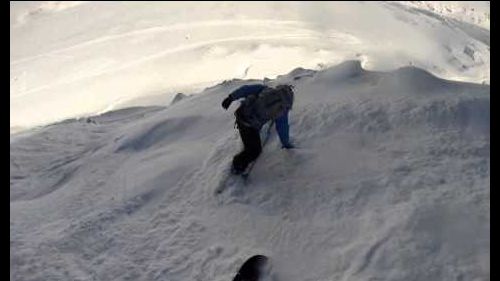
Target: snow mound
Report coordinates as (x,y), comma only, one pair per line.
(157,134)
(178,97)
(389,181)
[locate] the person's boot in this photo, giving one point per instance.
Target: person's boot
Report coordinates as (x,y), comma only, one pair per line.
(237,168)
(236,171)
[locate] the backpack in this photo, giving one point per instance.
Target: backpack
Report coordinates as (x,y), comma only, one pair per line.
(271,103)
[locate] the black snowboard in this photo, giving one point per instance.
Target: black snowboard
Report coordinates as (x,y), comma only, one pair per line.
(253,269)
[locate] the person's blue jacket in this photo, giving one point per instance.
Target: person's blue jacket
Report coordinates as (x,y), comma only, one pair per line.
(281,122)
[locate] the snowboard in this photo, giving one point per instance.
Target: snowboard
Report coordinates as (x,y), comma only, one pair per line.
(231,178)
(253,269)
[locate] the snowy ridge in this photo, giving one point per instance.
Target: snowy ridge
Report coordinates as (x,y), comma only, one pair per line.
(105,56)
(390,181)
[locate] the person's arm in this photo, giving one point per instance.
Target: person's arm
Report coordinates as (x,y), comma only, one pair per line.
(283,129)
(246,90)
(242,92)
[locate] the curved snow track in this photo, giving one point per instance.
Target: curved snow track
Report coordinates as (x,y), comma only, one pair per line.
(106,56)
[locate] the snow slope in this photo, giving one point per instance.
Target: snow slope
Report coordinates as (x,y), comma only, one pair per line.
(390,181)
(79,58)
(473,12)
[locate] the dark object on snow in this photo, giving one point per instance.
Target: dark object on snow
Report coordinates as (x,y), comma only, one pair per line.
(269,104)
(469,51)
(251,148)
(249,168)
(261,105)
(253,269)
(252,143)
(227,102)
(178,97)
(245,173)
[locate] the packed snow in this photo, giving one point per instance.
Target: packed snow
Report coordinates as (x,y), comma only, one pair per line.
(119,142)
(81,58)
(389,181)
(473,12)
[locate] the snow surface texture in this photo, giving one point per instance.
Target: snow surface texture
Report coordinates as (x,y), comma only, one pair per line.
(473,12)
(390,181)
(80,58)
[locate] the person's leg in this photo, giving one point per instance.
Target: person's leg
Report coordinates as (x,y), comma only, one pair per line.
(252,148)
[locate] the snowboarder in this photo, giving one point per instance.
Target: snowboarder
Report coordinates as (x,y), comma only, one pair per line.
(261,104)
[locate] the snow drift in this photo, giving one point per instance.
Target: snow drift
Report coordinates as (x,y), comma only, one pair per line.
(390,181)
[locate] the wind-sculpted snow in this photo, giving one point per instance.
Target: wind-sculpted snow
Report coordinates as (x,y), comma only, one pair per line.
(389,181)
(158,134)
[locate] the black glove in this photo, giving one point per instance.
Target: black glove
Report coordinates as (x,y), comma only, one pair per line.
(226,102)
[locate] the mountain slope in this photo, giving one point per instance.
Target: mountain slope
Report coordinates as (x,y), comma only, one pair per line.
(105,56)
(390,181)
